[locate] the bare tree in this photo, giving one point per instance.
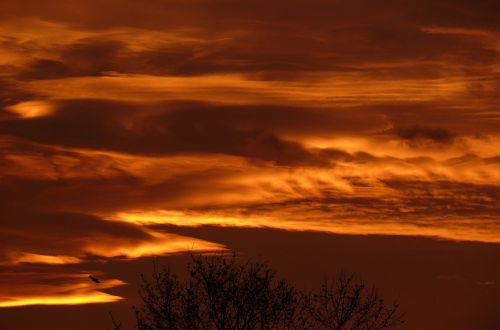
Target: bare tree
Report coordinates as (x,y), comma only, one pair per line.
(224,293)
(346,304)
(220,294)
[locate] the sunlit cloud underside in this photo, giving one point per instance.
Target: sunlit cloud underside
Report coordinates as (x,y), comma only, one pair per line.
(55,289)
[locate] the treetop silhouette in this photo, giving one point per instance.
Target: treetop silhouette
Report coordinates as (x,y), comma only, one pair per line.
(225,293)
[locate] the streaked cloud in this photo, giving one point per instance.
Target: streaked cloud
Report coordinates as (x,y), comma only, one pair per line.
(34,258)
(23,289)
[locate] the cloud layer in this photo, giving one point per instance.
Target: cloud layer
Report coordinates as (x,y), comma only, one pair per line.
(118,117)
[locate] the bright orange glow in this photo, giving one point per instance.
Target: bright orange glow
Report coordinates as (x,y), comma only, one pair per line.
(449,229)
(91,298)
(43,259)
(71,290)
(161,244)
(31,109)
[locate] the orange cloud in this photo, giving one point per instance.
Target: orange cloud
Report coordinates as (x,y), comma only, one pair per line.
(34,258)
(50,289)
(161,244)
(307,219)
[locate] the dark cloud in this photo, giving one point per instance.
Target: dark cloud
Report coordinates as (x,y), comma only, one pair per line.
(112,194)
(58,225)
(268,41)
(86,57)
(268,133)
(67,234)
(251,132)
(462,13)
(454,118)
(75,194)
(273,54)
(424,136)
(10,94)
(493,160)
(45,69)
(5,115)
(317,13)
(257,132)
(92,56)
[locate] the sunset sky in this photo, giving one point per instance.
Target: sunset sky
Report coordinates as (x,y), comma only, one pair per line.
(319,135)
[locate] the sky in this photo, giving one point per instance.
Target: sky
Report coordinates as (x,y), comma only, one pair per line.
(319,135)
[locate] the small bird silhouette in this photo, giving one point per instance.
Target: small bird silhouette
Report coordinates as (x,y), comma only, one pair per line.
(93,279)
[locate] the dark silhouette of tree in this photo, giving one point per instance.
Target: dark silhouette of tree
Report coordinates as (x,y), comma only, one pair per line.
(224,293)
(347,304)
